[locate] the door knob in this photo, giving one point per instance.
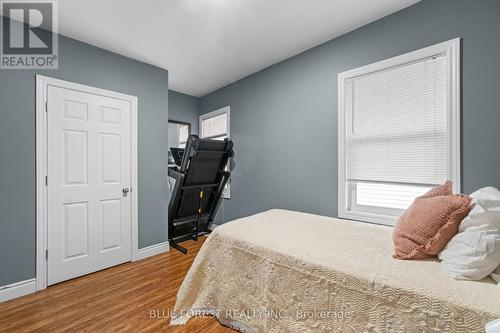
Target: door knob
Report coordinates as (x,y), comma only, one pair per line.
(125,190)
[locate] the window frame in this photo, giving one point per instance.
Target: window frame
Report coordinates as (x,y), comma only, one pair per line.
(212,114)
(381,215)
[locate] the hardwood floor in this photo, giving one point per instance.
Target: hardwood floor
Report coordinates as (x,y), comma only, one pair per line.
(118,299)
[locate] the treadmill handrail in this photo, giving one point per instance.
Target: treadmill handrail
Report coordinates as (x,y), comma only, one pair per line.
(174,173)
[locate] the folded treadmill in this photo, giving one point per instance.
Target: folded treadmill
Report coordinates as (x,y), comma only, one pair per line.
(200,181)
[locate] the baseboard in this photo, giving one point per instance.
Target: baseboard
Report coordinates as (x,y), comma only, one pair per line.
(17,289)
(150,251)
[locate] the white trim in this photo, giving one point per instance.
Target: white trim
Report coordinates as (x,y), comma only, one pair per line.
(42,84)
(452,50)
(41,190)
(17,289)
(454,81)
(134,176)
(150,251)
(212,114)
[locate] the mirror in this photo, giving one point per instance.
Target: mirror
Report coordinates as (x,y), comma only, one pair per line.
(178,133)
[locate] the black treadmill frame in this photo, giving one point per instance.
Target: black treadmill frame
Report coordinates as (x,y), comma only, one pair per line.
(199,221)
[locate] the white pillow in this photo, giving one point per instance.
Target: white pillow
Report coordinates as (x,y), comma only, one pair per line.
(474,252)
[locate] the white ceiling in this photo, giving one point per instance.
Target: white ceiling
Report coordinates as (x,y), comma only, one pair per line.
(207,44)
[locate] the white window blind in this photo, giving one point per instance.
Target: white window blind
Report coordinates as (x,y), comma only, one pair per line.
(214,127)
(399,129)
(397,125)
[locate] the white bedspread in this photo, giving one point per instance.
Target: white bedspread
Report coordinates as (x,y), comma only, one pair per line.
(283,271)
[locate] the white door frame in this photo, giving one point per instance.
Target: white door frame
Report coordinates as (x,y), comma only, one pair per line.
(42,85)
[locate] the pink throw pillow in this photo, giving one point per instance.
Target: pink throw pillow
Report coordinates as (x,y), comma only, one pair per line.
(425,228)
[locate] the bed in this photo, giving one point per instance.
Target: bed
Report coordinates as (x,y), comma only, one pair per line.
(284,271)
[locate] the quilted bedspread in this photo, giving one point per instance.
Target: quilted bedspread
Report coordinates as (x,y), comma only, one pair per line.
(284,271)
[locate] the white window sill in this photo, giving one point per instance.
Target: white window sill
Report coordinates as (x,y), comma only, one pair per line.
(368,217)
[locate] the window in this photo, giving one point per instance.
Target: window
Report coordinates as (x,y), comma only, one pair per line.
(398,131)
(215,125)
(182,134)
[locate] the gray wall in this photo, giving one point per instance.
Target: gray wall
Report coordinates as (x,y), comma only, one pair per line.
(88,65)
(182,107)
(284,118)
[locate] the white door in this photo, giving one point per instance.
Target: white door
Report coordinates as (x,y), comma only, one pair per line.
(89,222)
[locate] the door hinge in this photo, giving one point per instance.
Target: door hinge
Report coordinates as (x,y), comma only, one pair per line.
(46,106)
(46,255)
(46,180)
